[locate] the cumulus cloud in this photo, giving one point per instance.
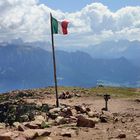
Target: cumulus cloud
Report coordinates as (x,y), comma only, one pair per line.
(93,24)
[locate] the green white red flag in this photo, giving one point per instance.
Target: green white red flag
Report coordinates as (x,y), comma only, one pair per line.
(59,27)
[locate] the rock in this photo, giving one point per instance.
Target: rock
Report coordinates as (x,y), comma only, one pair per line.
(43,132)
(8,136)
(77,95)
(19,126)
(137,100)
(40,118)
(72,119)
(80,109)
(83,122)
(55,110)
(96,120)
(53,115)
(32,125)
(24,118)
(138,137)
(121,136)
(60,120)
(123,120)
(65,95)
(90,114)
(88,109)
(30,134)
(20,138)
(45,108)
(66,113)
(62,96)
(2,125)
(103,119)
(108,115)
(68,95)
(66,134)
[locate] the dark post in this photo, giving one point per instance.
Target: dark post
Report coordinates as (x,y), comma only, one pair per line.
(54,63)
(106,97)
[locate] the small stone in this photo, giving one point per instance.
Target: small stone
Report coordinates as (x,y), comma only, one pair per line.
(60,120)
(2,125)
(55,110)
(24,118)
(88,109)
(72,119)
(80,109)
(66,134)
(90,114)
(18,126)
(83,122)
(103,119)
(66,113)
(40,118)
(121,136)
(95,120)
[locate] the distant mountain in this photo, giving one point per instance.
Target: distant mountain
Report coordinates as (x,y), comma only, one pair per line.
(116,49)
(23,66)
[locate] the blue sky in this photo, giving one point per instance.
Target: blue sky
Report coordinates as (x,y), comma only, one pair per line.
(76,5)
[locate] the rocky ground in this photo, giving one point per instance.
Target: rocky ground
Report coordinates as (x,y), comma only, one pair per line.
(32,114)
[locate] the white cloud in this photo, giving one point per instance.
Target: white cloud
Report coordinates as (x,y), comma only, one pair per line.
(93,24)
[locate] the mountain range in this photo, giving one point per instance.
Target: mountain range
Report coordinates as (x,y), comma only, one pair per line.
(25,66)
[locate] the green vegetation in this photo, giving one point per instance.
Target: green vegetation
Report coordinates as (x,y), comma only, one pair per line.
(100,91)
(116,91)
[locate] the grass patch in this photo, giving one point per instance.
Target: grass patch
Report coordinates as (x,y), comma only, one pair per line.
(115,91)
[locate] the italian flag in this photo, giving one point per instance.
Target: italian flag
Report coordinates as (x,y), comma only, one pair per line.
(59,27)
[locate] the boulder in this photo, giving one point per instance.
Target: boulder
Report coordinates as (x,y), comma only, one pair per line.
(83,122)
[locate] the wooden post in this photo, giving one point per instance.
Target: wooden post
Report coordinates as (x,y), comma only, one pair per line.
(54,62)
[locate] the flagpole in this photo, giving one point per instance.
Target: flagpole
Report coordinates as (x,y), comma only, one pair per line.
(54,62)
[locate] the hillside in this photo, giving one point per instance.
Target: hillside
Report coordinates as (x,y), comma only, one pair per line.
(32,114)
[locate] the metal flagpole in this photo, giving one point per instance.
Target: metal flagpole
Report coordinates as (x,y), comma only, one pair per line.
(54,62)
